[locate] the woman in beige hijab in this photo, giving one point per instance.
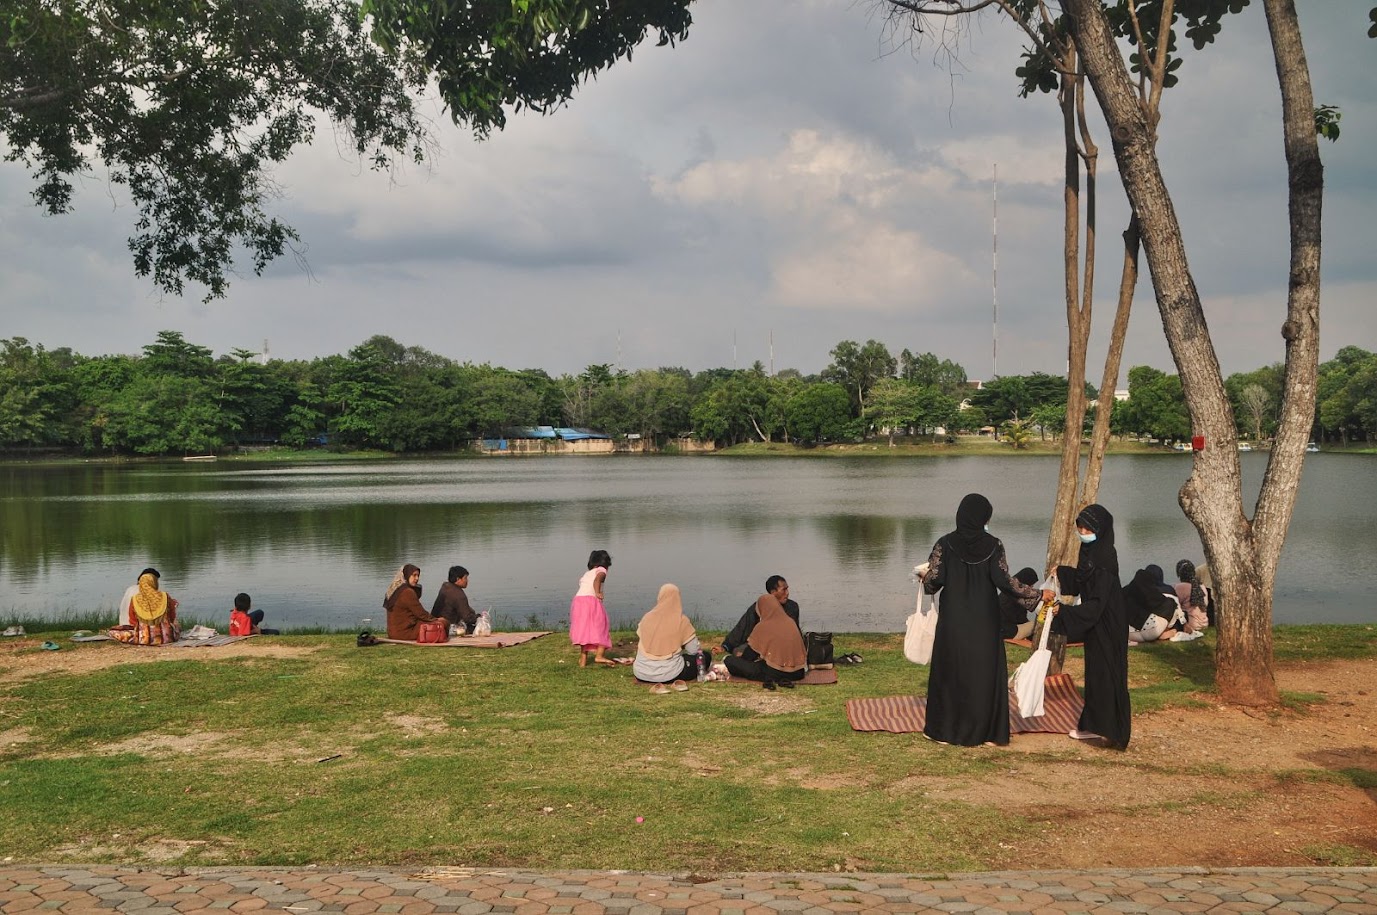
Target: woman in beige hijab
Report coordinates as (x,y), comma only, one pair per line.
(774,653)
(668,650)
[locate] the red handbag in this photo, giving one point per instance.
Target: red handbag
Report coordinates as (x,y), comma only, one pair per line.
(432,632)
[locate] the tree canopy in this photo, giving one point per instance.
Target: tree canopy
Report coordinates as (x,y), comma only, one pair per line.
(189,104)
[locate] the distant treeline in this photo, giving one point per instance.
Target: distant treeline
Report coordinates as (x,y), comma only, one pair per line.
(178,398)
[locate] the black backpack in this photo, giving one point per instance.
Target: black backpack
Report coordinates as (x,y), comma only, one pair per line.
(819,645)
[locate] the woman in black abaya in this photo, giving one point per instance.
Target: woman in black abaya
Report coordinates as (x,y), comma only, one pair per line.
(968,680)
(1100,622)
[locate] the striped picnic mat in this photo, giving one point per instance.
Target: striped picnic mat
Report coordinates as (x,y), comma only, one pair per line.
(907,714)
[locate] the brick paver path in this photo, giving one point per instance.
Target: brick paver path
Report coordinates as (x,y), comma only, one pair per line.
(162,891)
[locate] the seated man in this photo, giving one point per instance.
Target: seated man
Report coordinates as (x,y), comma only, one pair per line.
(1016,613)
(452,603)
(776,586)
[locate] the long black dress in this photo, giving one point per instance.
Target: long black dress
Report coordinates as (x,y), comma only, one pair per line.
(968,680)
(1100,622)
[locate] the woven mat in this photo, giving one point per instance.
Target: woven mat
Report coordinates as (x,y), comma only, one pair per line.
(496,640)
(212,642)
(907,714)
(1028,643)
(814,677)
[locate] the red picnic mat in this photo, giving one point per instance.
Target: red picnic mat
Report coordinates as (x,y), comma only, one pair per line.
(496,640)
(907,714)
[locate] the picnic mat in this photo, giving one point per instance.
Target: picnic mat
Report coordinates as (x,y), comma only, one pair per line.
(496,640)
(212,642)
(907,714)
(814,677)
(1028,643)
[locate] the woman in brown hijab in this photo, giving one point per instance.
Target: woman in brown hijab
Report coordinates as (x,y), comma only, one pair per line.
(667,647)
(403,604)
(774,653)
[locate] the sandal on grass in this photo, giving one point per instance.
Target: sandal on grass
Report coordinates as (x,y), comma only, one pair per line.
(679,686)
(659,689)
(769,684)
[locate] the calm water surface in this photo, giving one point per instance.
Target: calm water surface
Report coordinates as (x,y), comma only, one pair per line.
(317,545)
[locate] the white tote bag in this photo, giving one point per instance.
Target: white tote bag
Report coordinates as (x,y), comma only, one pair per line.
(921,629)
(1030,680)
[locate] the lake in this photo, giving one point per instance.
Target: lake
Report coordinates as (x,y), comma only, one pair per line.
(317,544)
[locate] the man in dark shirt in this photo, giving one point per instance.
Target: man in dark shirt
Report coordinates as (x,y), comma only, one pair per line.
(452,603)
(775,585)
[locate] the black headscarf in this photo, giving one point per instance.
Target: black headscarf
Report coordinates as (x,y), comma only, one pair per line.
(1159,579)
(1142,597)
(1099,553)
(1185,571)
(972,542)
(1028,576)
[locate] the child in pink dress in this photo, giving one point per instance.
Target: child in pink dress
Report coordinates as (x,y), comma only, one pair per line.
(588,627)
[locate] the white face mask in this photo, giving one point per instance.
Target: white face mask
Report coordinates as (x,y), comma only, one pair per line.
(987,528)
(1086,538)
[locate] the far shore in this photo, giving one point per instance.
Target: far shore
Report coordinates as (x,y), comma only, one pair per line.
(964,446)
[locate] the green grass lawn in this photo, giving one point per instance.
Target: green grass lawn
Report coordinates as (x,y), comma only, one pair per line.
(511,757)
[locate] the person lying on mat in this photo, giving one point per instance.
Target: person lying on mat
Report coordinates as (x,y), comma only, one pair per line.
(779,588)
(667,648)
(1152,614)
(403,604)
(774,651)
(1016,612)
(452,603)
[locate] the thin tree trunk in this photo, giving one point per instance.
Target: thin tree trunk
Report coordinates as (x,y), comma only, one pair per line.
(1104,408)
(1059,549)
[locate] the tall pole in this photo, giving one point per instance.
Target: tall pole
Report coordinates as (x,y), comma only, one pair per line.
(772,353)
(994,274)
(733,350)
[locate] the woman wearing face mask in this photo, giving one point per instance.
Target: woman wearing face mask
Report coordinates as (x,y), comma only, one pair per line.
(968,680)
(1099,621)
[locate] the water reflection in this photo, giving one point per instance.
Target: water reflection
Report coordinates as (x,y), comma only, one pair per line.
(317,545)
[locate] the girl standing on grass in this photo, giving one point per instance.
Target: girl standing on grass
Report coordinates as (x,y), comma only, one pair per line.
(588,627)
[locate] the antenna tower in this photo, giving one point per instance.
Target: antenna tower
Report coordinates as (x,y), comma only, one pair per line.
(994,275)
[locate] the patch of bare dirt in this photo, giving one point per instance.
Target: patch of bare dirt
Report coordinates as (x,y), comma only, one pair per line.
(155,851)
(1214,786)
(416,725)
(19,662)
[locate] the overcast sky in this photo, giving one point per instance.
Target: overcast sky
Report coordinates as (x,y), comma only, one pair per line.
(784,171)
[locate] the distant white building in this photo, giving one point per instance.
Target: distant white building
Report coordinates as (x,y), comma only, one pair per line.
(1121,394)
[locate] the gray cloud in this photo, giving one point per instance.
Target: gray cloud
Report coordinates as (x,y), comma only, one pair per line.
(783,171)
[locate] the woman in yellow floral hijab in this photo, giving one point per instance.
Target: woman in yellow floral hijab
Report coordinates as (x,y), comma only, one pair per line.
(153,613)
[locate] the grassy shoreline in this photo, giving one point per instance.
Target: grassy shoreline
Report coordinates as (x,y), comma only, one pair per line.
(305,749)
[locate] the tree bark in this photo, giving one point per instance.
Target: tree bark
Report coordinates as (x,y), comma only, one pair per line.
(1078,307)
(1242,554)
(1104,406)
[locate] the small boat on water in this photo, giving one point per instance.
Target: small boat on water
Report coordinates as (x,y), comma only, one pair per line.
(199,457)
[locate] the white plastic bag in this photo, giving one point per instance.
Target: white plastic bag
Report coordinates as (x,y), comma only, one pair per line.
(921,630)
(484,624)
(1030,680)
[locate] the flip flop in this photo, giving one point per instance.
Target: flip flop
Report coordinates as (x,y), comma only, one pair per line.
(659,689)
(50,646)
(769,684)
(679,686)
(787,684)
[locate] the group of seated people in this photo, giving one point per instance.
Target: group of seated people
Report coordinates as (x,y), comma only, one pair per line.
(147,615)
(1157,611)
(766,645)
(405,613)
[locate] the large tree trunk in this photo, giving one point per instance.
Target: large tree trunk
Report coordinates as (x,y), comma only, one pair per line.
(1242,554)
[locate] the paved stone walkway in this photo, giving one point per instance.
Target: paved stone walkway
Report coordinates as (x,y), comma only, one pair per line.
(157,891)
